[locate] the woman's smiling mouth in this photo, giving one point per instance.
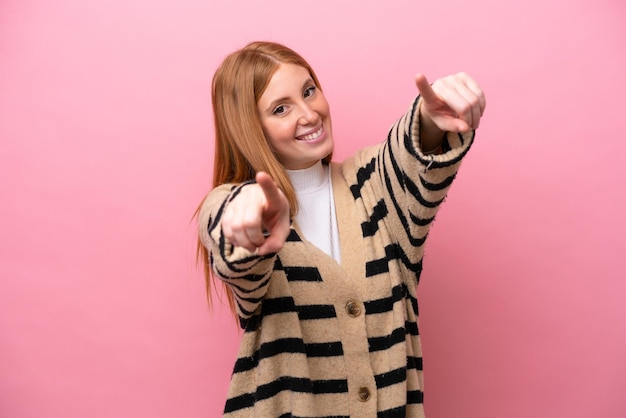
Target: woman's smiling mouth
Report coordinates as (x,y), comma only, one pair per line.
(312,136)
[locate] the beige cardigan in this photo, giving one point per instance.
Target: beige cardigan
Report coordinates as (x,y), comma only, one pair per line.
(329,340)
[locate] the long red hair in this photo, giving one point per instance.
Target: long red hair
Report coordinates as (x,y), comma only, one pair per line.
(241,149)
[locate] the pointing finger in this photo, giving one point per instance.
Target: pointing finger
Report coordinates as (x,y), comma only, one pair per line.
(270,190)
(425,89)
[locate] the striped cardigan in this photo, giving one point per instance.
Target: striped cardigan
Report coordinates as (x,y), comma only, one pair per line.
(329,340)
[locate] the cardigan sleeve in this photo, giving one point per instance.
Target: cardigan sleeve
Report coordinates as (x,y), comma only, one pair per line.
(408,185)
(246,273)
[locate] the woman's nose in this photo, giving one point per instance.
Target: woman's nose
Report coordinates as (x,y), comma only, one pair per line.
(308,115)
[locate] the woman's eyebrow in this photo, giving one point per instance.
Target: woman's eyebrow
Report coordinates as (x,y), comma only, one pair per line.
(282,99)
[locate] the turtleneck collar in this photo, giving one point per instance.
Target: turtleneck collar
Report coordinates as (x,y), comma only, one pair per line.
(309,179)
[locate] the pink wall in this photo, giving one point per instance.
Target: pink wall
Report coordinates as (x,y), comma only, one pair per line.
(105,129)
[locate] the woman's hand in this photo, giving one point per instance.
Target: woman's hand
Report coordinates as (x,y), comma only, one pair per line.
(257,219)
(452,104)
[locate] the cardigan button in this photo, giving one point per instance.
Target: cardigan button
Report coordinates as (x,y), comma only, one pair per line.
(353,308)
(364,394)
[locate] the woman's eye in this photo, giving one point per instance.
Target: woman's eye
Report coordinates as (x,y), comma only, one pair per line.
(278,110)
(309,91)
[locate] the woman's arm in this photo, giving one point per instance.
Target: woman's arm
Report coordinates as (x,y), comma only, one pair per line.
(243,227)
(404,182)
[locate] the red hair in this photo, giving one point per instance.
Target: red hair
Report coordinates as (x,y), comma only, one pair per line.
(241,149)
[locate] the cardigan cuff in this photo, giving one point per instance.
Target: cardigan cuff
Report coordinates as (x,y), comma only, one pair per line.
(454,145)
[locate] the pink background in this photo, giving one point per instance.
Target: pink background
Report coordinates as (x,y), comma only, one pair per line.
(105,128)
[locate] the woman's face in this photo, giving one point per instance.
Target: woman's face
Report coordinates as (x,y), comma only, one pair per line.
(296,118)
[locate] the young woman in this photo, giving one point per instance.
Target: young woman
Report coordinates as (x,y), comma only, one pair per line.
(321,260)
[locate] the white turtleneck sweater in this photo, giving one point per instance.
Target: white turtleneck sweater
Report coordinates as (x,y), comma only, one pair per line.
(316,216)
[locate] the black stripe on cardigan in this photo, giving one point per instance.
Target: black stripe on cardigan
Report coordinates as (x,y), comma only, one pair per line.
(362,176)
(249,261)
(278,305)
(369,228)
(293,236)
(289,415)
(414,241)
(419,221)
(328,349)
(411,328)
(291,346)
(249,277)
(392,252)
(381,265)
(298,384)
(416,268)
(414,191)
(311,312)
(383,305)
(414,363)
(269,349)
(385,342)
(302,274)
(414,397)
(437,186)
(294,384)
(272,306)
(408,184)
(391,377)
(399,412)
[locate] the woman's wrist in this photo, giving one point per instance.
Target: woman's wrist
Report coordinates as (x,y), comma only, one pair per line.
(431,137)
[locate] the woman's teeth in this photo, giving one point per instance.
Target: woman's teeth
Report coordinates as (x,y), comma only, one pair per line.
(313,136)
